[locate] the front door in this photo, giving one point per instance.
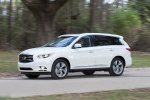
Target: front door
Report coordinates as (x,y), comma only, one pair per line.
(83,58)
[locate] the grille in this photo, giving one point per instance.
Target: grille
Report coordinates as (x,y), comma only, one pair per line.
(26,68)
(24,58)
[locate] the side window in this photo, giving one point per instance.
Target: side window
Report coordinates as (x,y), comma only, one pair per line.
(84,41)
(99,40)
(115,41)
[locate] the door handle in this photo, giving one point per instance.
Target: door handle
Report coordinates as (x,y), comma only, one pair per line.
(90,51)
(111,49)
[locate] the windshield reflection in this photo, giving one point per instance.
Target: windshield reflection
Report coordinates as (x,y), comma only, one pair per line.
(61,41)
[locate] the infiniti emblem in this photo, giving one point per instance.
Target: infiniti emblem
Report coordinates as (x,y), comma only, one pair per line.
(24,58)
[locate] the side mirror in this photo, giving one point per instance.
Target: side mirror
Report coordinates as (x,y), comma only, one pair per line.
(77,45)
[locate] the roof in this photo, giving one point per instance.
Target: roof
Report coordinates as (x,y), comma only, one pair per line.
(83,34)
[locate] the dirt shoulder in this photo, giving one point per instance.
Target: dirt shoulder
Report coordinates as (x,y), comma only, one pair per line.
(7,75)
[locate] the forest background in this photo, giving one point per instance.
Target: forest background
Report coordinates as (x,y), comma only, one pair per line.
(30,23)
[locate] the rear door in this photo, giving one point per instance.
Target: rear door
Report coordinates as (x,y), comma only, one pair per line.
(103,50)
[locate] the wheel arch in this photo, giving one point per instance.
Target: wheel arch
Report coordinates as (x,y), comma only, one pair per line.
(63,58)
(121,59)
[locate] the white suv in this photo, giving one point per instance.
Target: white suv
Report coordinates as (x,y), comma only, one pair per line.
(87,53)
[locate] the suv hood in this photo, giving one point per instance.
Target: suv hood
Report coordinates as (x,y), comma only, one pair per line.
(41,50)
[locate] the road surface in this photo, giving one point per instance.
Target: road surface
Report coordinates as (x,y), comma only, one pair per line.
(74,83)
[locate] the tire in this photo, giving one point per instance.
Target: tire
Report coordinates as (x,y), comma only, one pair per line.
(88,72)
(31,76)
(60,69)
(117,67)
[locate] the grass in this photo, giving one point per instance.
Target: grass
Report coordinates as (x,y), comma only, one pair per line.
(141,59)
(134,94)
(8,60)
(8,63)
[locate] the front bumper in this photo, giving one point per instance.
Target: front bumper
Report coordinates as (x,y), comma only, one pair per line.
(36,73)
(36,66)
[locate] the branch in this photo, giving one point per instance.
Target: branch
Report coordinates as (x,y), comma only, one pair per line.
(56,5)
(44,6)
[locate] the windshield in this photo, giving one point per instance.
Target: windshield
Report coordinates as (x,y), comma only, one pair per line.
(61,41)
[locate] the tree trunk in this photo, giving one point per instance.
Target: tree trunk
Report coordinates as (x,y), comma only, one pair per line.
(44,12)
(1,25)
(44,30)
(107,26)
(27,42)
(94,14)
(9,23)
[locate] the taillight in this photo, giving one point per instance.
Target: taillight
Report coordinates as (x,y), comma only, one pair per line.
(129,49)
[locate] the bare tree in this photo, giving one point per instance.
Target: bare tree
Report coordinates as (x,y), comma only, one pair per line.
(0,22)
(9,23)
(44,12)
(96,14)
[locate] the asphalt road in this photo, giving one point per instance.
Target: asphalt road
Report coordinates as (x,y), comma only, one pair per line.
(74,83)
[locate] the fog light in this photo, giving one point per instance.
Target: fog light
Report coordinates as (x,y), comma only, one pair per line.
(43,67)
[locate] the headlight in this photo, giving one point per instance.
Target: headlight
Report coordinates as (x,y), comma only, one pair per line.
(45,55)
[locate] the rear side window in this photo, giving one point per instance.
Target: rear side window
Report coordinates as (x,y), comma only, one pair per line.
(115,41)
(99,40)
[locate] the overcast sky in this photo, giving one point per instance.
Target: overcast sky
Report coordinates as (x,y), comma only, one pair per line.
(110,1)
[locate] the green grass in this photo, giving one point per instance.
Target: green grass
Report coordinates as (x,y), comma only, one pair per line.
(135,94)
(8,60)
(141,59)
(8,63)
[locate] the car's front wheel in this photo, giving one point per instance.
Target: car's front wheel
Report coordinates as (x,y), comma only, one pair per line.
(31,76)
(60,69)
(117,67)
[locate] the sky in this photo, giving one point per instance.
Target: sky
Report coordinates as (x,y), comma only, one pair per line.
(109,1)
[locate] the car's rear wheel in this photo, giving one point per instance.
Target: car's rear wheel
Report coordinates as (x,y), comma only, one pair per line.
(60,69)
(117,67)
(31,76)
(88,72)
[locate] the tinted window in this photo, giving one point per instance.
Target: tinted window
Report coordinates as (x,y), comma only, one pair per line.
(115,41)
(98,40)
(61,41)
(84,41)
